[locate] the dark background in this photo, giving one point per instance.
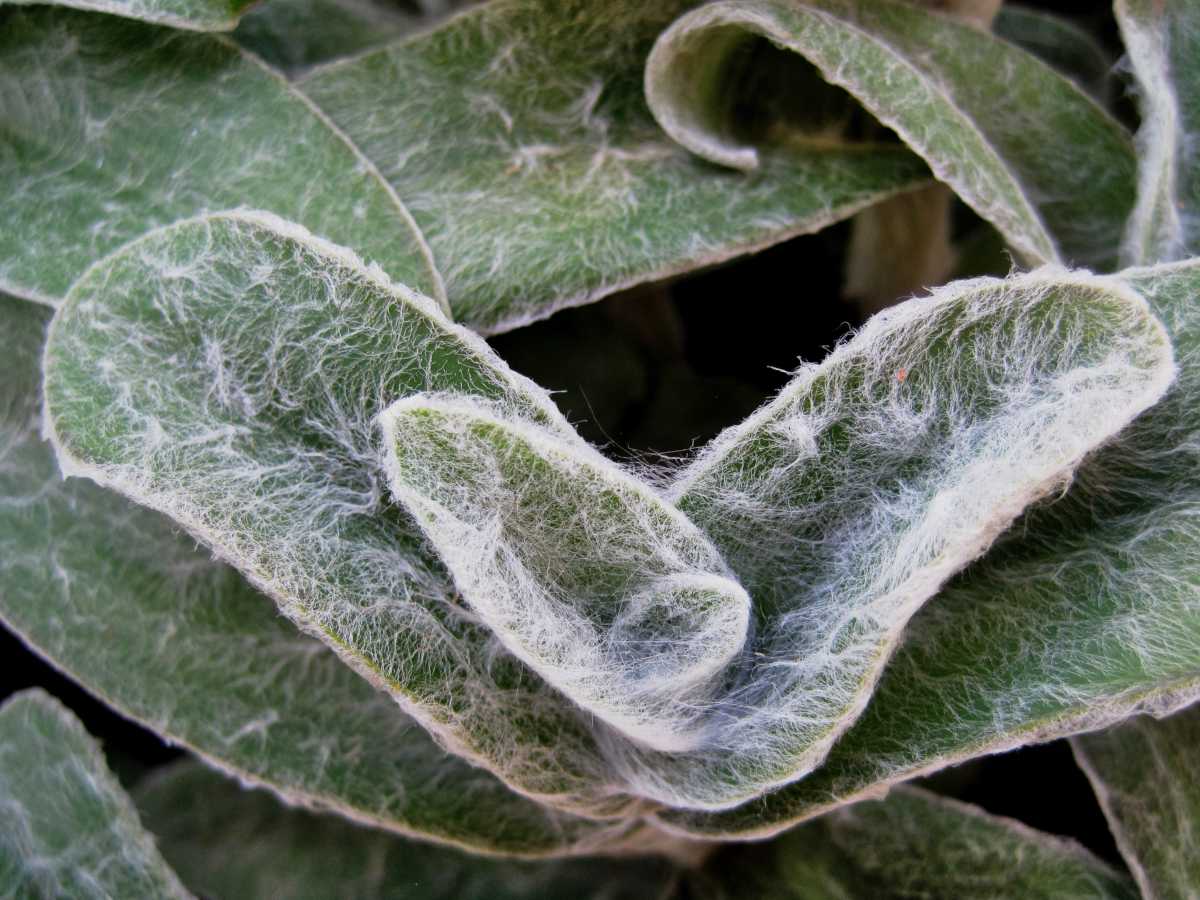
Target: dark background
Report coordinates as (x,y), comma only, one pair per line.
(653,372)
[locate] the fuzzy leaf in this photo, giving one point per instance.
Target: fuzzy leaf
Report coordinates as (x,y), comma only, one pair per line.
(1085,614)
(582,571)
(266,850)
(519,137)
(848,500)
(985,115)
(1163,42)
(191,15)
(295,35)
(113,596)
(1147,779)
(69,829)
(262,443)
(912,844)
(112,128)
(1061,44)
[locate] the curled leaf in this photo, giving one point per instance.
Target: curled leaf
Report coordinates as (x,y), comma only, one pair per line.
(986,116)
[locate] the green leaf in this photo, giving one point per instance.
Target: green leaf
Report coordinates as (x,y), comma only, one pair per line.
(112,128)
(273,459)
(113,596)
(846,502)
(1061,44)
(191,15)
(69,829)
(1146,778)
(913,844)
(1163,43)
(519,136)
(987,117)
(1085,614)
(580,570)
(266,850)
(294,35)
(282,349)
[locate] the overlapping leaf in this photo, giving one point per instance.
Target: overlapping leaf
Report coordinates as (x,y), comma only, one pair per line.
(1163,43)
(192,15)
(268,851)
(113,127)
(519,137)
(69,829)
(1084,615)
(1147,779)
(996,141)
(115,597)
(913,844)
(295,35)
(994,390)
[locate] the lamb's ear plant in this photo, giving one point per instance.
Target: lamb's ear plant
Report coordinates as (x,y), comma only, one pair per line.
(266,490)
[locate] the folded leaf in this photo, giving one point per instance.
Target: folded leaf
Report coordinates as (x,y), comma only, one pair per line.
(112,595)
(69,829)
(1147,780)
(848,500)
(582,571)
(192,15)
(294,35)
(987,117)
(112,128)
(266,850)
(1163,43)
(282,349)
(1085,614)
(913,844)
(519,137)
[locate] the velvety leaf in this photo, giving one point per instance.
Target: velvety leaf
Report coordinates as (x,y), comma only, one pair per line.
(987,117)
(581,570)
(848,500)
(1061,44)
(228,844)
(113,127)
(1163,43)
(262,443)
(115,597)
(69,829)
(913,844)
(294,35)
(519,136)
(192,15)
(1147,778)
(1086,613)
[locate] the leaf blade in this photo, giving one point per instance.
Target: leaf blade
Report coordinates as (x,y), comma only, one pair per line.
(1043,638)
(1144,774)
(70,829)
(918,73)
(530,114)
(114,127)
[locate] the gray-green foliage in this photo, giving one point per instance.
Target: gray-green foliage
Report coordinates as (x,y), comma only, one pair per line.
(495,638)
(1147,780)
(69,830)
